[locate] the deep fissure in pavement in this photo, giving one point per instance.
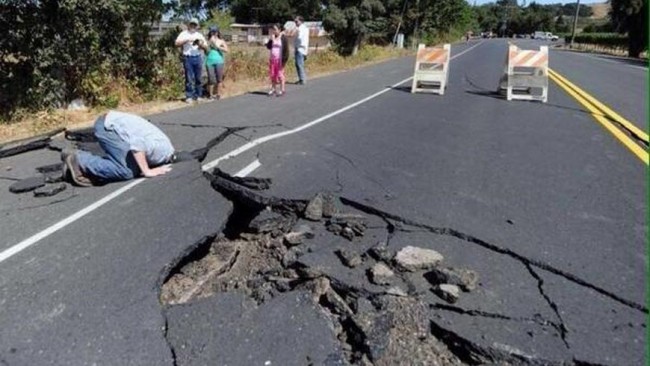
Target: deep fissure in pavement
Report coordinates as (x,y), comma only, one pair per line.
(272,246)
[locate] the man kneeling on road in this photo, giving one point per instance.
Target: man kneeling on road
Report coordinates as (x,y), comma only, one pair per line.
(133,147)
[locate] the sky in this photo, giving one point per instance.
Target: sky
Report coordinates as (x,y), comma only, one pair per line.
(479,2)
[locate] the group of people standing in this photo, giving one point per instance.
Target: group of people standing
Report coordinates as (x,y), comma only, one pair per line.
(278,46)
(134,147)
(193,45)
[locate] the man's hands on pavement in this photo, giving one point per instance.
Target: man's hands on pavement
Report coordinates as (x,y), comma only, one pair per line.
(148,172)
(157,171)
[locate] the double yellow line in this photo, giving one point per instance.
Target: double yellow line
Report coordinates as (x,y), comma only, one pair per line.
(605,115)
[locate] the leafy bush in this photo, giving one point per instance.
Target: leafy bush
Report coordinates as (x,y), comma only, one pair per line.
(613,40)
(599,28)
(54,51)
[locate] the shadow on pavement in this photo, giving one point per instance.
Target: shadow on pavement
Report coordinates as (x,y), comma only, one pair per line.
(497,95)
(259,92)
(405,89)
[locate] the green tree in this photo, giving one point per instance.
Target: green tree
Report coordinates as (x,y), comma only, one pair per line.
(274,11)
(631,16)
(221,18)
(487,17)
(561,26)
(50,48)
(350,21)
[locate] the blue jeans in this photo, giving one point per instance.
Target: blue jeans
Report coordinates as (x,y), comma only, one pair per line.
(193,66)
(118,164)
(300,66)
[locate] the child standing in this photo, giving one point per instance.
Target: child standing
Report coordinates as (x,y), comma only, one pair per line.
(279,54)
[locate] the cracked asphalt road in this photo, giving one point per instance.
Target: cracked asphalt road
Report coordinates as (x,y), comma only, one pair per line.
(543,181)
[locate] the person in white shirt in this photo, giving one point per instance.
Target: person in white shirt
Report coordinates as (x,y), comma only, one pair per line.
(301,45)
(193,44)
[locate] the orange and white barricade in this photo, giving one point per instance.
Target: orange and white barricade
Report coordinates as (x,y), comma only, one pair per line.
(526,74)
(431,69)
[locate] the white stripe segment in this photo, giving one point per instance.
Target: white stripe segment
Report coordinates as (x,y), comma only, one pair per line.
(7,253)
(248,169)
(17,248)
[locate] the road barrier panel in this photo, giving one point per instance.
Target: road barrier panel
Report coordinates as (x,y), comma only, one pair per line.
(526,74)
(431,69)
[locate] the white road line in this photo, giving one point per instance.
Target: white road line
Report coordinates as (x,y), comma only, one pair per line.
(274,136)
(7,253)
(248,169)
(17,248)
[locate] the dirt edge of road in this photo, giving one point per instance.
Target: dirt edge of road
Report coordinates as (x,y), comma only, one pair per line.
(44,121)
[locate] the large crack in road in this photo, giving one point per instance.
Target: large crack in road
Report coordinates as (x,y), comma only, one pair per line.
(325,277)
(365,304)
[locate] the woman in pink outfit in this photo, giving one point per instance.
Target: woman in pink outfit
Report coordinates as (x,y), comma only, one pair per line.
(279,54)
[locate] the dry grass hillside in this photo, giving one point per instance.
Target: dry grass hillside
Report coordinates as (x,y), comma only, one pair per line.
(600,10)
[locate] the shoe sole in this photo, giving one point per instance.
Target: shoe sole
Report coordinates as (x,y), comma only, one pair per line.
(69,164)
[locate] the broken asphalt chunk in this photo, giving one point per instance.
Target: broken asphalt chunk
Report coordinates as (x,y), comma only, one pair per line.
(258,184)
(348,226)
(381,252)
(298,235)
(396,291)
(314,210)
(230,329)
(291,256)
(292,239)
(398,334)
(336,303)
(50,168)
(270,222)
(86,134)
(447,292)
(305,230)
(329,205)
(28,144)
(349,258)
(466,279)
(347,233)
(27,185)
(380,274)
(50,190)
(414,258)
(59,144)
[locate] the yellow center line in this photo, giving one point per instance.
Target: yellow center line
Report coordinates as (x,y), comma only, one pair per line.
(598,116)
(602,107)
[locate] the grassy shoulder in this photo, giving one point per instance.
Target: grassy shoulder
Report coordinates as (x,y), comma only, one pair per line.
(246,71)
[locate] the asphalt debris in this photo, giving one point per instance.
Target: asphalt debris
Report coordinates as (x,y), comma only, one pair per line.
(372,325)
(383,305)
(50,190)
(413,258)
(349,258)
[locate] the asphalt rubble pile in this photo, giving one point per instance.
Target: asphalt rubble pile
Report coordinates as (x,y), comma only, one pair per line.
(378,313)
(334,281)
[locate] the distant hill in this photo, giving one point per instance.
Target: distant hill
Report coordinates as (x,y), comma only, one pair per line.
(600,10)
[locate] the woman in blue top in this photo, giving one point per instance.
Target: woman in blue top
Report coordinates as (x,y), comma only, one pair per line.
(215,62)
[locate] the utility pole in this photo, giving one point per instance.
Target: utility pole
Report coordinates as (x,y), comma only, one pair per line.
(575,24)
(399,25)
(416,29)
